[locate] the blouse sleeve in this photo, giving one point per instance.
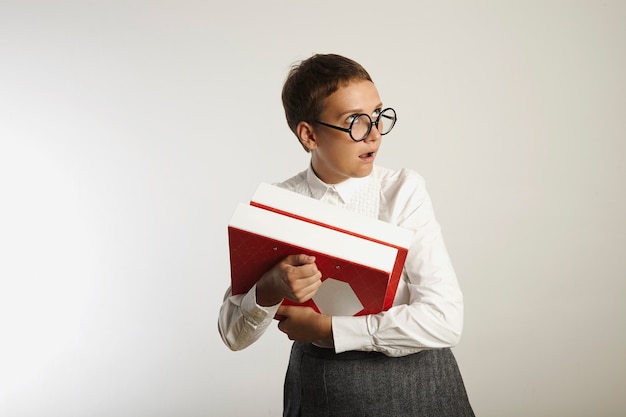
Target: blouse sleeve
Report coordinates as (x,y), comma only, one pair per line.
(242,321)
(430,312)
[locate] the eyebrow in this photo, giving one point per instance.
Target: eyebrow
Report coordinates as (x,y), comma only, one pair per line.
(360,111)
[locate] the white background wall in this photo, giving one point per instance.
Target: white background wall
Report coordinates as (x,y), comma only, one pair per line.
(130,130)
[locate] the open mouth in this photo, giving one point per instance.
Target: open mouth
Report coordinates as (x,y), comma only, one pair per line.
(367,155)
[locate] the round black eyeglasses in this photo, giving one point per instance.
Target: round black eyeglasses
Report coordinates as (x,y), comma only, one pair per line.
(361,124)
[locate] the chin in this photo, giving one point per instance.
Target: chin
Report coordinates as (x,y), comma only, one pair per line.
(363,172)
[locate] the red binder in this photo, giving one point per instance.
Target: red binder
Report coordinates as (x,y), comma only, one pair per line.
(361,259)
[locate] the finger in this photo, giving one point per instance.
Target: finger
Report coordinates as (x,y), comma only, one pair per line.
(306,285)
(305,272)
(311,288)
(309,270)
(279,317)
(281,326)
(306,293)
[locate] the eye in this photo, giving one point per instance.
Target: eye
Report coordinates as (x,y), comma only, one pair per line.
(376,113)
(352,118)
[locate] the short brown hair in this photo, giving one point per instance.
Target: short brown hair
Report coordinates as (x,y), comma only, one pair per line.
(311,81)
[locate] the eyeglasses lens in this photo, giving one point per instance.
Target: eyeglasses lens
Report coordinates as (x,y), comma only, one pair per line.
(361,125)
(386,121)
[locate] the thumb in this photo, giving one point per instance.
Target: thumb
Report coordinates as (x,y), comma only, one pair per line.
(300,259)
(282,314)
(283,311)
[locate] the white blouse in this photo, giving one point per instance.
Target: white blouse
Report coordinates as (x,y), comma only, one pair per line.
(428,307)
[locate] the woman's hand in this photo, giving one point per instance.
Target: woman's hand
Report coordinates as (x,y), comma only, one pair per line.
(296,278)
(303,324)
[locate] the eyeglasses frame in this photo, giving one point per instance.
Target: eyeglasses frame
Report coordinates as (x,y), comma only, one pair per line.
(369,129)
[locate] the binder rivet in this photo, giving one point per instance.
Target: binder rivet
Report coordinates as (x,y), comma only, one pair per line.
(337,267)
(275,248)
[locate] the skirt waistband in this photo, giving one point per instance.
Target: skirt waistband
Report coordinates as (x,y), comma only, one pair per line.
(325,353)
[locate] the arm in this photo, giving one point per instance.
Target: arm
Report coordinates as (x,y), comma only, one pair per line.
(245,317)
(428,309)
(242,321)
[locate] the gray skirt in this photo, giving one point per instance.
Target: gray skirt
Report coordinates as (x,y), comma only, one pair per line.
(320,383)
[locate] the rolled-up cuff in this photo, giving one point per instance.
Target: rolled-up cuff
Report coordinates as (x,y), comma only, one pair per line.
(351,333)
(255,313)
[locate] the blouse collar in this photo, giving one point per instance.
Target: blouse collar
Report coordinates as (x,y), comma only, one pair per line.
(345,189)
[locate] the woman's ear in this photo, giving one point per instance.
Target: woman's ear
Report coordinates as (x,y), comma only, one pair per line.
(306,134)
